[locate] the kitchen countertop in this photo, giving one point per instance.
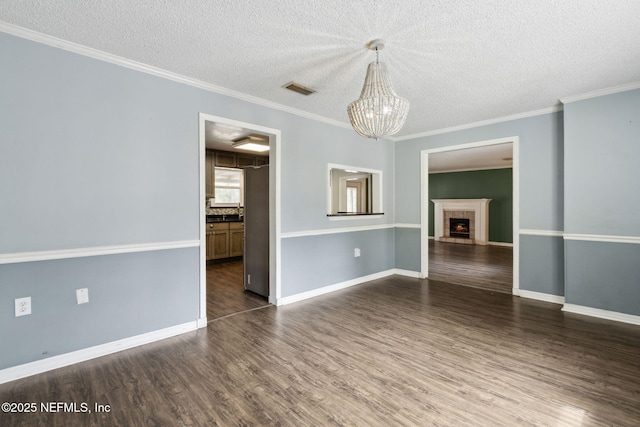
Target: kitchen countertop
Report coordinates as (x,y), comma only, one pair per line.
(224,218)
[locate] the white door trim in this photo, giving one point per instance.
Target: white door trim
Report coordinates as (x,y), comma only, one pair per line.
(274,206)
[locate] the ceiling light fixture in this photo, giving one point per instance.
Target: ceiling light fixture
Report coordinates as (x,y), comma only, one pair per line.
(379,111)
(252,143)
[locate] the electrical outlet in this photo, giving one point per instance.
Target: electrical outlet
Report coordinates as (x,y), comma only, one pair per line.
(82,295)
(356,252)
(23,306)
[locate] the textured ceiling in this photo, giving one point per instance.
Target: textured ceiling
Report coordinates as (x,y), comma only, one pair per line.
(457,62)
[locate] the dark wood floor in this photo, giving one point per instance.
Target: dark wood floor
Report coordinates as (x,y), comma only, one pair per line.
(225,290)
(395,351)
(487,267)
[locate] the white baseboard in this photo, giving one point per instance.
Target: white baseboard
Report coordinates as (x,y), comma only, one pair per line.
(556,299)
(332,288)
(55,362)
(336,287)
(490,243)
(509,245)
(602,314)
(201,323)
(407,273)
(579,309)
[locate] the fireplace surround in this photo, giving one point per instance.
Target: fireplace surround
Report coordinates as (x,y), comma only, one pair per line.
(476,211)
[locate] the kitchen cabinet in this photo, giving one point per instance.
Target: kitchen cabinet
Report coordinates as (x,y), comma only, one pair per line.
(228,159)
(236,239)
(225,159)
(224,240)
(243,160)
(262,160)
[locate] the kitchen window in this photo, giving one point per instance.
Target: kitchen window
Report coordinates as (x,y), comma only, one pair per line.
(228,186)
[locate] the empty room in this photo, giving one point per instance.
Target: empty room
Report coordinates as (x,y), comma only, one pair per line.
(320,213)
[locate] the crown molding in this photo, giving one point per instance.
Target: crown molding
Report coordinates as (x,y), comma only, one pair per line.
(158,72)
(600,92)
(502,119)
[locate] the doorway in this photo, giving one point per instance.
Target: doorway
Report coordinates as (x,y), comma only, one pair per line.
(225,289)
(222,280)
(494,266)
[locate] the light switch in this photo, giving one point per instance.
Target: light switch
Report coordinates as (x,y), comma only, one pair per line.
(82,295)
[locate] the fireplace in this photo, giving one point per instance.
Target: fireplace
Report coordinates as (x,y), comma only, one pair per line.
(461,221)
(459,227)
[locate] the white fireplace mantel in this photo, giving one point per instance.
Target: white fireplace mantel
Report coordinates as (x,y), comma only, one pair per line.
(480,207)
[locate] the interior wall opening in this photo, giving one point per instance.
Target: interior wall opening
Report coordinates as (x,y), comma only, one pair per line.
(464,175)
(238,216)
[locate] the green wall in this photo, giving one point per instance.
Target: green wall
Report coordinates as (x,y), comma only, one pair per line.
(495,184)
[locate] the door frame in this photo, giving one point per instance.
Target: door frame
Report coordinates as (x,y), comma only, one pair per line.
(274,206)
(424,202)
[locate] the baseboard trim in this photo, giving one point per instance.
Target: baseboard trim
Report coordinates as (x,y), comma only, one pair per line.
(505,244)
(201,323)
(407,273)
(60,361)
(342,285)
(332,288)
(602,314)
(555,299)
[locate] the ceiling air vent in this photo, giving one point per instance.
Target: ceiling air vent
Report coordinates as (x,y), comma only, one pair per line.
(296,87)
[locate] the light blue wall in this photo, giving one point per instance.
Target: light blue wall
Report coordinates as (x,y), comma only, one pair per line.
(129,294)
(407,256)
(602,153)
(603,275)
(541,187)
(329,259)
(541,168)
(92,154)
(95,154)
(602,148)
(311,146)
(542,264)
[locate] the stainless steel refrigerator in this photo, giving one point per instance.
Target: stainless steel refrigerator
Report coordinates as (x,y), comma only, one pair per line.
(256,230)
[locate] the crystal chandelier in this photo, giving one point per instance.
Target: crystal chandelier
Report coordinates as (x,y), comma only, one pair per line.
(379,111)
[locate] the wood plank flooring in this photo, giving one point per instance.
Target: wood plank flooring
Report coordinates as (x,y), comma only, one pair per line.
(225,290)
(487,267)
(394,351)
